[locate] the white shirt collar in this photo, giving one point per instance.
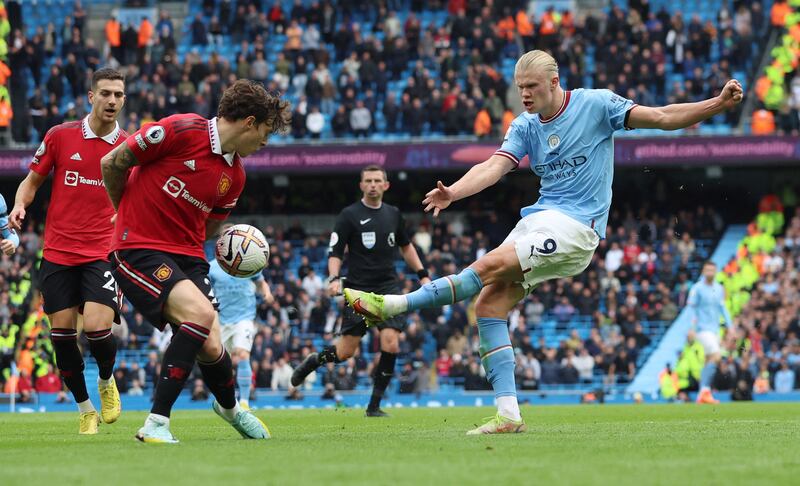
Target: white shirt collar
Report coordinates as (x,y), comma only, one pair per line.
(110,138)
(216,144)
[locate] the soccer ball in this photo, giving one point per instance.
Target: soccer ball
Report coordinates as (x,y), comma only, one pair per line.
(242,250)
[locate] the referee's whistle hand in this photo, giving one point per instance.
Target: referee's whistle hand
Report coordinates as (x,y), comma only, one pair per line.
(334,289)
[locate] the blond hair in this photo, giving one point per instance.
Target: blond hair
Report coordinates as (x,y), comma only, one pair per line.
(536,59)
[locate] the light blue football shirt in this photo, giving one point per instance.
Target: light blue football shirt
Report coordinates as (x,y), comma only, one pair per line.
(707,303)
(8,233)
(572,153)
(236,296)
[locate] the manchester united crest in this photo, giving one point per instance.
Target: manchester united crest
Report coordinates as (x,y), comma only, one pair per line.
(224,185)
(162,273)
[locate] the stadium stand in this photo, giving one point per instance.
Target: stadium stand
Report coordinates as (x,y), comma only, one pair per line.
(761,353)
(421,70)
(364,70)
(589,332)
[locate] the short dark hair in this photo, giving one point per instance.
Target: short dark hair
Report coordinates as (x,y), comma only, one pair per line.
(373,168)
(709,262)
(249,98)
(106,73)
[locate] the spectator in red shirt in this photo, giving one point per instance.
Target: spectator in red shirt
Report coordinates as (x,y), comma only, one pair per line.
(24,386)
(631,251)
(49,383)
(443,363)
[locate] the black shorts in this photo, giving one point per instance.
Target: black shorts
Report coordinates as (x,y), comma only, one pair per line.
(65,286)
(146,277)
(353,323)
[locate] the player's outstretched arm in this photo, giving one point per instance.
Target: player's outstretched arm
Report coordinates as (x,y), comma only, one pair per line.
(115,165)
(25,194)
(478,178)
(682,115)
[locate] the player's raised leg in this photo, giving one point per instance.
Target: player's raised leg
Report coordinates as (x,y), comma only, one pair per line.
(494,303)
(69,361)
(97,322)
(499,265)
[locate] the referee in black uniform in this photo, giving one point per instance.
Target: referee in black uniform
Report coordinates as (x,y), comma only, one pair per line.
(372,231)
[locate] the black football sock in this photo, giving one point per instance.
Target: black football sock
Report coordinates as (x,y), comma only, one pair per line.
(328,355)
(104,349)
(176,366)
(383,375)
(219,378)
(69,361)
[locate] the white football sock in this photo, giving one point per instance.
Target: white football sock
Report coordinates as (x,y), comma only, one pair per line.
(230,413)
(104,383)
(86,406)
(160,419)
(394,304)
(508,407)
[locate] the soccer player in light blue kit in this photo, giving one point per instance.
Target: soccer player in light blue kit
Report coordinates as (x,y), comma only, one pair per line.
(10,241)
(568,138)
(707,304)
(237,313)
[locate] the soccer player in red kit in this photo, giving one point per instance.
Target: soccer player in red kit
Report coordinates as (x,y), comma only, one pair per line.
(187,176)
(75,274)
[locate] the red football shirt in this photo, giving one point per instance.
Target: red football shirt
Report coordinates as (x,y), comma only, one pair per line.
(78,227)
(182,179)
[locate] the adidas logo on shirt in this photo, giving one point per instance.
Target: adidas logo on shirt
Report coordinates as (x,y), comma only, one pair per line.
(189,164)
(76,156)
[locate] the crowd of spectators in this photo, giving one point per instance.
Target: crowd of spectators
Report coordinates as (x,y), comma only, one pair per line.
(640,274)
(762,351)
(353,69)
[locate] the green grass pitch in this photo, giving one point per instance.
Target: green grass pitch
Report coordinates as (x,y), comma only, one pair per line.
(636,444)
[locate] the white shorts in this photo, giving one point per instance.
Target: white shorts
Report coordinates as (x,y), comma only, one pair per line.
(238,336)
(551,245)
(709,341)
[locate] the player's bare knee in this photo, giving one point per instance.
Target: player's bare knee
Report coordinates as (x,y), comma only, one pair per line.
(391,347)
(485,267)
(390,341)
(498,299)
(498,266)
(211,349)
(95,324)
(64,319)
(203,315)
(345,351)
(97,321)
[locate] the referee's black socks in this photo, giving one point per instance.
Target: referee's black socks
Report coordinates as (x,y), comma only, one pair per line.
(328,355)
(382,376)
